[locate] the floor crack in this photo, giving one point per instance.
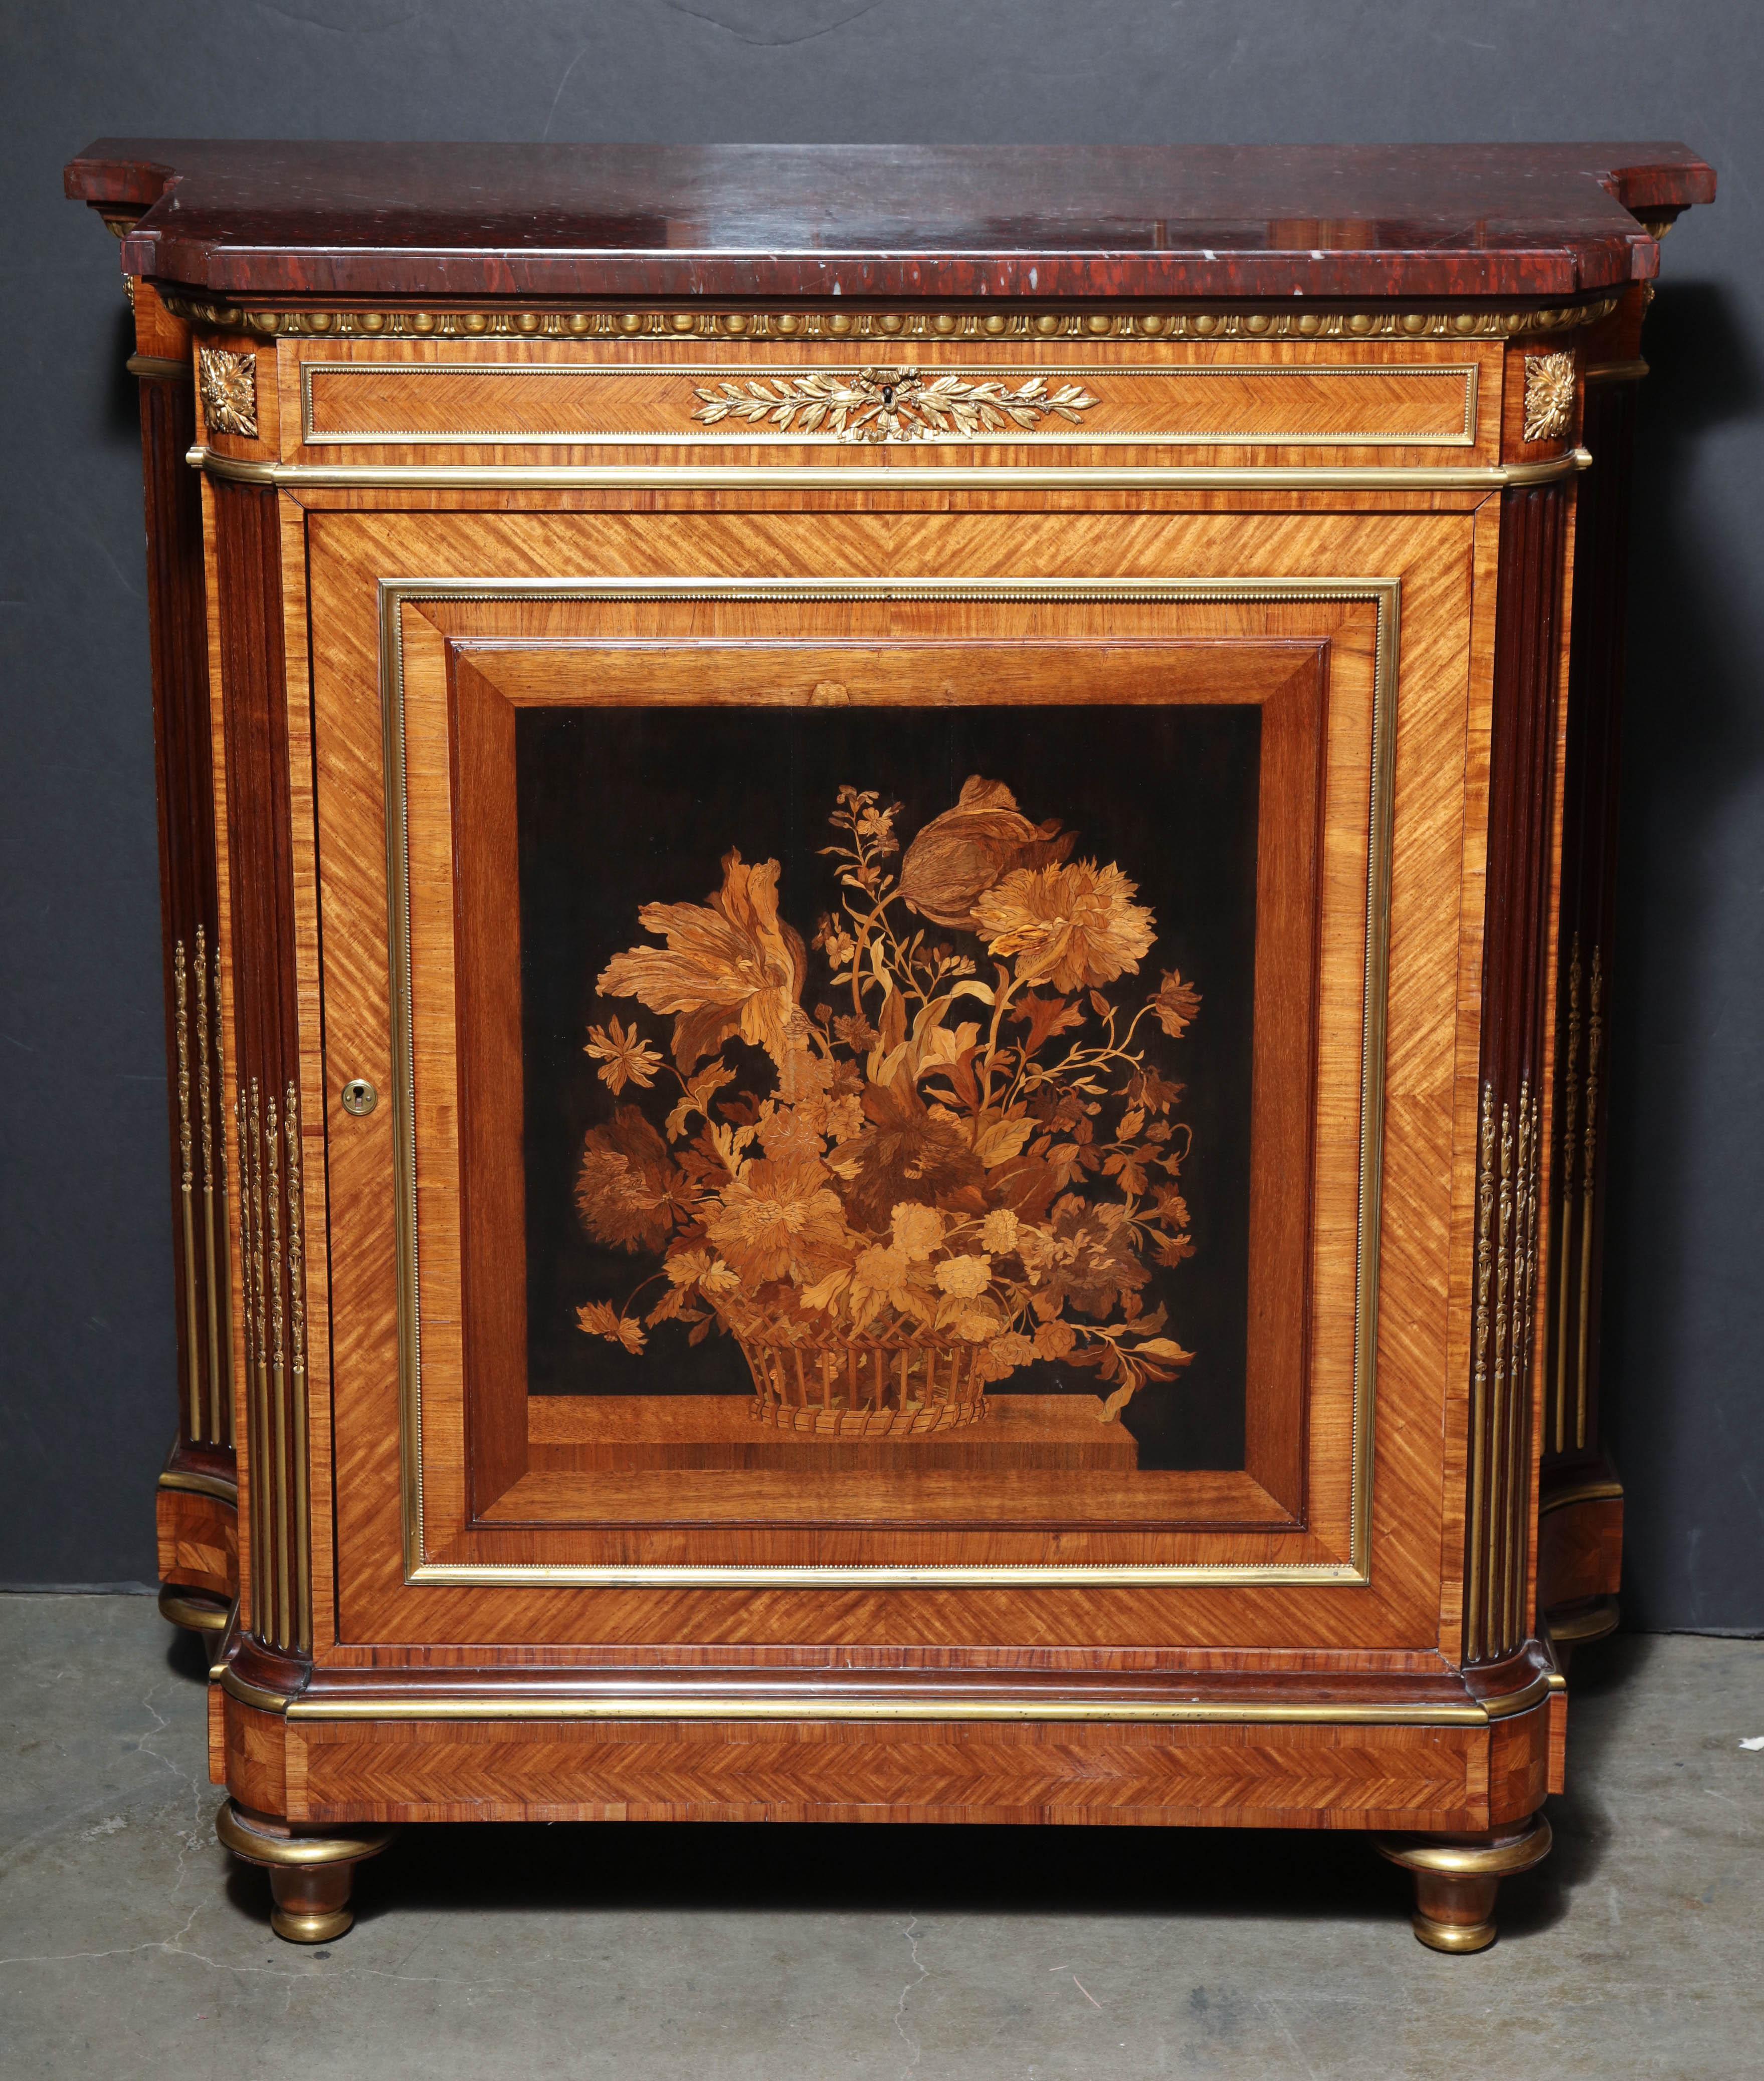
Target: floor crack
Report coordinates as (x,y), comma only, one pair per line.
(923,1973)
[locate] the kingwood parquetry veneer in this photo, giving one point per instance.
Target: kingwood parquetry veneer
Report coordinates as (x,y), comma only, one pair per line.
(1057,1395)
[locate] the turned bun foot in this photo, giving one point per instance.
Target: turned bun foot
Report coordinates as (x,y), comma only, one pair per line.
(1456,1879)
(310,1875)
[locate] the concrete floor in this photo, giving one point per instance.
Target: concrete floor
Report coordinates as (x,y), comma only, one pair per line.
(130,1948)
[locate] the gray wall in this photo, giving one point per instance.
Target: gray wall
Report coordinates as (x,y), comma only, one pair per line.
(86,1392)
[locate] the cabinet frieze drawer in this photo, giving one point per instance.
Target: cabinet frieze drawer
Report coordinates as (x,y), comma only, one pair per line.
(428,397)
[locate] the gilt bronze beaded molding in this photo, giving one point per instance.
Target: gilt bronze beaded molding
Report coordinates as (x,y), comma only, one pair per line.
(1006,323)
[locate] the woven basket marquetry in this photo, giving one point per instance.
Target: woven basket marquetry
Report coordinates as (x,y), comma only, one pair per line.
(856,1387)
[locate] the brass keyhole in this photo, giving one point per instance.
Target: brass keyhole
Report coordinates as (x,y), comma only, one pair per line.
(360,1096)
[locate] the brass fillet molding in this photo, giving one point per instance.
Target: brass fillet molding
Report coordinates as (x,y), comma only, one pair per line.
(1550,381)
(157,369)
(536,1701)
(1586,1492)
(1504,1704)
(198,1484)
(933,479)
(1384,594)
(246,1692)
(1003,322)
(1614,371)
(564,1706)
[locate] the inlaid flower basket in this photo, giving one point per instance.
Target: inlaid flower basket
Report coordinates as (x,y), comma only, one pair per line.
(867,1387)
(913,1156)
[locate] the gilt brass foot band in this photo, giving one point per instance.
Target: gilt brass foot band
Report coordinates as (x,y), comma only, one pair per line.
(1455,1882)
(1574,1625)
(310,1875)
(198,1610)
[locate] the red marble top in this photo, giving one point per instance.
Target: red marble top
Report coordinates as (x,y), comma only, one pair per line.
(246,219)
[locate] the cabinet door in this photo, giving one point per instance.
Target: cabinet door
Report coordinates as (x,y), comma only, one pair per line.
(925,1096)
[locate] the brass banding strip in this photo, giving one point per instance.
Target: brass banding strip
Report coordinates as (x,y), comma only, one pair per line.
(881,1576)
(157,369)
(810,1712)
(1614,371)
(1522,1700)
(208,1485)
(1587,1492)
(254,1695)
(864,476)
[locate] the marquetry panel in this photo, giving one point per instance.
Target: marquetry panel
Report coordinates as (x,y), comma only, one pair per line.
(1252,1776)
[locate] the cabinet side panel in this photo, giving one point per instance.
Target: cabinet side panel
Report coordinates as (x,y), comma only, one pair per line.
(265,1051)
(202,1449)
(1534,525)
(1573,1455)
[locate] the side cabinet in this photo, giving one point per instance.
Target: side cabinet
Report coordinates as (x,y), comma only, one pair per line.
(888,1032)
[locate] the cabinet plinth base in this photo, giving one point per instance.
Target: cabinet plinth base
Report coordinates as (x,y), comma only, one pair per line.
(1456,1880)
(310,1875)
